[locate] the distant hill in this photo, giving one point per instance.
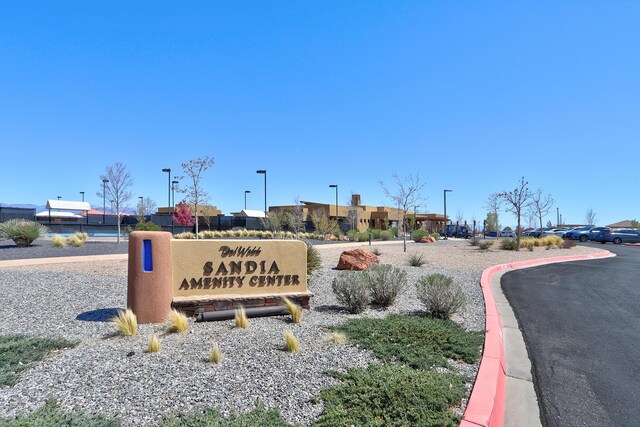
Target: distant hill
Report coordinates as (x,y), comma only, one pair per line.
(25,206)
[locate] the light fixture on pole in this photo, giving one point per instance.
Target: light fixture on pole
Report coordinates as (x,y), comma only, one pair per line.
(168,171)
(336,187)
(264,172)
(445,213)
(140,205)
(104,200)
(82,193)
(59,197)
(245,198)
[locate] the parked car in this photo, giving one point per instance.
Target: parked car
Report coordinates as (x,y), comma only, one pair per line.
(554,231)
(595,231)
(462,231)
(581,233)
(538,231)
(507,233)
(618,236)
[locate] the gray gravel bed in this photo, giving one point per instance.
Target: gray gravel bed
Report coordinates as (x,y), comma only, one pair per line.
(42,248)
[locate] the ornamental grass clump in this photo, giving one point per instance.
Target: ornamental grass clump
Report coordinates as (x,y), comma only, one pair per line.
(551,240)
(416,260)
(351,290)
(385,283)
(241,319)
(58,241)
(215,355)
(177,322)
(294,309)
(75,241)
(440,295)
(21,231)
(313,259)
(483,246)
(82,236)
(154,344)
(336,338)
(386,235)
(291,343)
(509,244)
(126,322)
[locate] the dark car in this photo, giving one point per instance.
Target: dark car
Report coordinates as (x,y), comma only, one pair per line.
(458,231)
(618,236)
(581,233)
(595,231)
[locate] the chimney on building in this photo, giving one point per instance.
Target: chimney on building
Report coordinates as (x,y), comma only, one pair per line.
(355,200)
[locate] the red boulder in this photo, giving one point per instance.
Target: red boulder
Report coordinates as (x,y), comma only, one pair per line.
(357,259)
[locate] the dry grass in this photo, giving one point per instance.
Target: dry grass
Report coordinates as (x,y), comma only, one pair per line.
(154,344)
(336,338)
(75,241)
(294,309)
(177,322)
(126,322)
(241,318)
(215,355)
(291,343)
(58,241)
(82,236)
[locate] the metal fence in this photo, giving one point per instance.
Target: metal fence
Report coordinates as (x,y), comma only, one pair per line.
(7,213)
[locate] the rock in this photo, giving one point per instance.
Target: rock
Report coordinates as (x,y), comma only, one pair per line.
(427,239)
(357,259)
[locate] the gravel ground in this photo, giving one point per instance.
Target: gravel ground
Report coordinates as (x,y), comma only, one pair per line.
(112,375)
(42,248)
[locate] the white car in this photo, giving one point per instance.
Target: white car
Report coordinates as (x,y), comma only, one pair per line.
(555,231)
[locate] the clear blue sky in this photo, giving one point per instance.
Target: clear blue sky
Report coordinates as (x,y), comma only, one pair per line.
(470,95)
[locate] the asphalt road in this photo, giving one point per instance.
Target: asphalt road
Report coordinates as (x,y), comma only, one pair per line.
(581,325)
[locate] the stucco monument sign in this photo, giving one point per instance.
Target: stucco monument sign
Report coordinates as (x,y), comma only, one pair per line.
(212,275)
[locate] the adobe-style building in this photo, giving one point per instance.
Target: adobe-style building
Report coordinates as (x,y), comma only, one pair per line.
(363,217)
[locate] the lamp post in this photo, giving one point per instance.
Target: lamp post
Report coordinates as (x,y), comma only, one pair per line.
(245,198)
(140,205)
(104,200)
(445,213)
(557,217)
(82,194)
(336,187)
(59,197)
(168,171)
(264,172)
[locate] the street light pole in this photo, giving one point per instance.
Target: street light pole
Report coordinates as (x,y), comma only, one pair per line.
(245,198)
(264,172)
(168,171)
(557,217)
(82,193)
(445,213)
(104,201)
(141,205)
(336,187)
(173,194)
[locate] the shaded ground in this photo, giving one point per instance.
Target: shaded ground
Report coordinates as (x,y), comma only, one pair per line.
(44,249)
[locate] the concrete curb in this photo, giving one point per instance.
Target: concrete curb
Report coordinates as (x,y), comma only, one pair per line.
(487,402)
(61,260)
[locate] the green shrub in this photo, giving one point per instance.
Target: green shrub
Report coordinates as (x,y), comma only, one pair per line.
(417,341)
(211,417)
(49,415)
(440,296)
(351,290)
(386,235)
(435,235)
(147,226)
(21,231)
(391,396)
(376,251)
(18,352)
(509,244)
(313,259)
(416,260)
(363,237)
(375,233)
(385,282)
(353,235)
(416,235)
(486,244)
(394,230)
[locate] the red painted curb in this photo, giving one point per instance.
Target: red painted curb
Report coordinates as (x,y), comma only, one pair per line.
(486,404)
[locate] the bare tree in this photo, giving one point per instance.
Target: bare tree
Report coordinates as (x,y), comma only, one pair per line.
(517,200)
(322,223)
(540,204)
(493,205)
(459,217)
(297,216)
(116,188)
(532,219)
(195,195)
(590,217)
(406,195)
(145,207)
